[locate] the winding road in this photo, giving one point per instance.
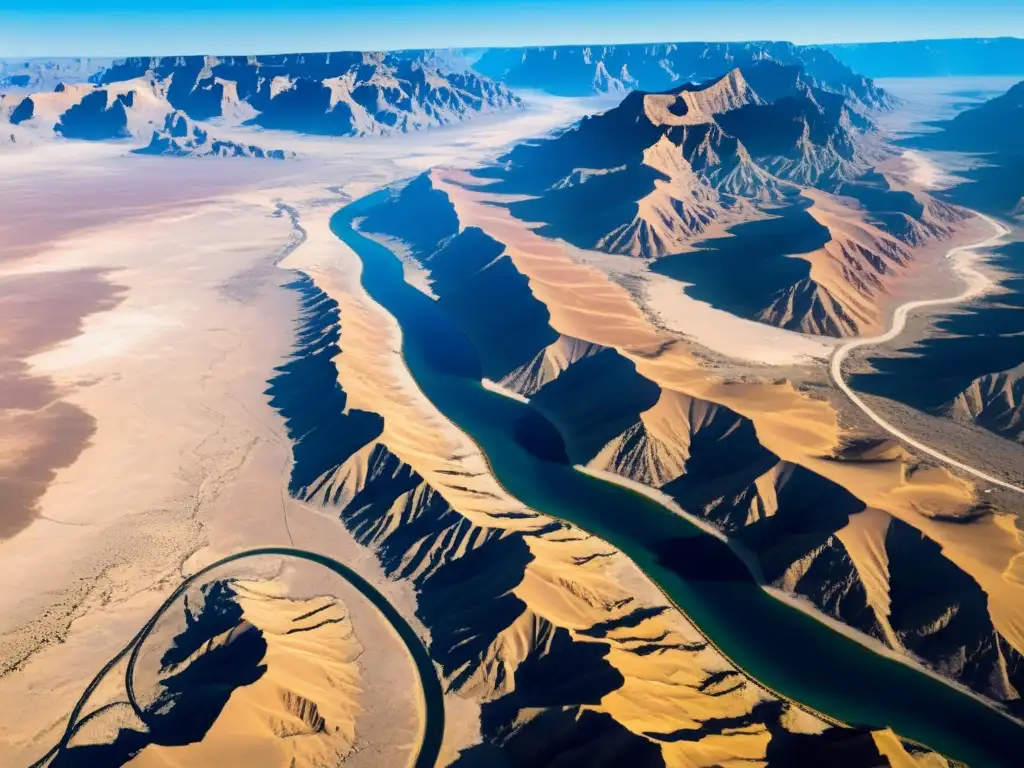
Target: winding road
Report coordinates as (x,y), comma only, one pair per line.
(431,693)
(976,283)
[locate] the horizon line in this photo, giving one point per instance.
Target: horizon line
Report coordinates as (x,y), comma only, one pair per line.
(47,57)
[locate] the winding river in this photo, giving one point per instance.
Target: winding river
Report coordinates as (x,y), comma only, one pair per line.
(786,650)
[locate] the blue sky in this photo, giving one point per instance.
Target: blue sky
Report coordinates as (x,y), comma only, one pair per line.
(152,27)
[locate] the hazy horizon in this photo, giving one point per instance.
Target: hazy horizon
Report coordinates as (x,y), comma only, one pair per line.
(118,28)
(569,44)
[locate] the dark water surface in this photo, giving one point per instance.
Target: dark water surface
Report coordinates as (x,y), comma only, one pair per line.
(985,336)
(780,646)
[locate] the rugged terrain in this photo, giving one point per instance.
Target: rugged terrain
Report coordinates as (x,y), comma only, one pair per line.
(578,70)
(334,94)
(844,520)
(665,173)
(553,646)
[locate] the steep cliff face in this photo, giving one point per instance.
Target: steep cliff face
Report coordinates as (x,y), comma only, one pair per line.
(120,111)
(579,70)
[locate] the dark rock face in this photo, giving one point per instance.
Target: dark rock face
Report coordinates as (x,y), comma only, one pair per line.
(578,71)
(335,94)
(93,120)
(23,111)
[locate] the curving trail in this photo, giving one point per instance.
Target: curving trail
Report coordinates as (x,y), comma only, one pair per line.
(976,282)
(431,693)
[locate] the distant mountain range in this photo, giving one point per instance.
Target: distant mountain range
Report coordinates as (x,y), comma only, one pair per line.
(934,58)
(338,94)
(996,125)
(359,94)
(582,70)
(668,172)
(44,74)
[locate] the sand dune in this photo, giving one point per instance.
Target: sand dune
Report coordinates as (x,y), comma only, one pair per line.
(302,709)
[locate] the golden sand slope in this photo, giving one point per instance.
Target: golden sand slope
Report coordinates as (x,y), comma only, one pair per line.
(302,711)
(572,584)
(585,304)
(655,451)
(579,605)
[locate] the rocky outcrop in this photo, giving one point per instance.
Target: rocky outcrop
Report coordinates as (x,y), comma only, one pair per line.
(181,137)
(97,117)
(996,402)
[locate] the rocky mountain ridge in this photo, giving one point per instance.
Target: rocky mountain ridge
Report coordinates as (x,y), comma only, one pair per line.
(665,176)
(340,94)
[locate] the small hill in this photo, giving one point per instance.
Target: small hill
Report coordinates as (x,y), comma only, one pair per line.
(995,401)
(182,137)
